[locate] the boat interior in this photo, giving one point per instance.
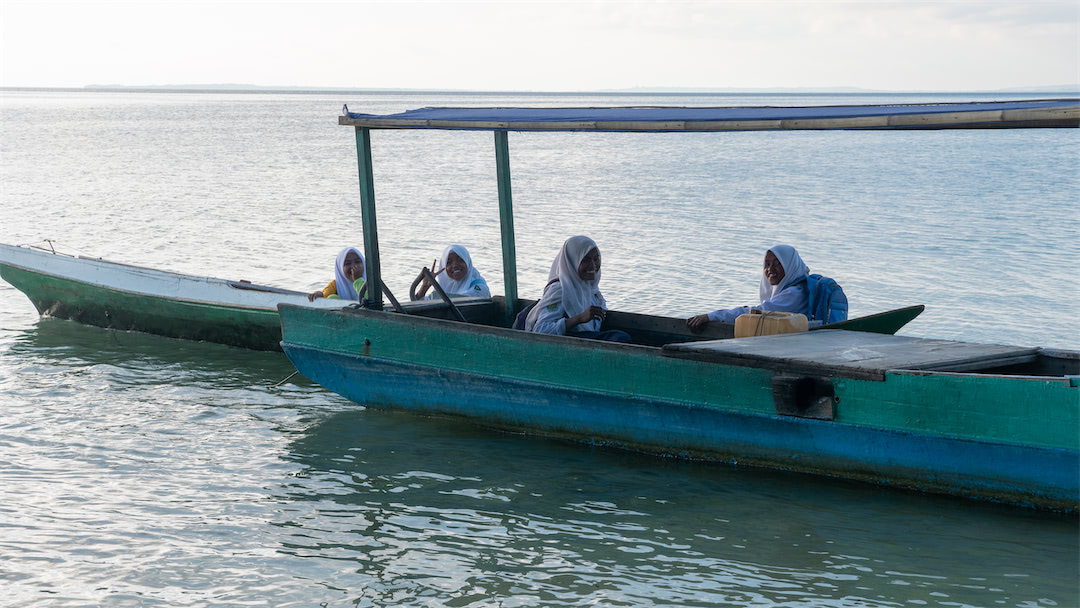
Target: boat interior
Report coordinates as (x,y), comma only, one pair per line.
(646,330)
(836,353)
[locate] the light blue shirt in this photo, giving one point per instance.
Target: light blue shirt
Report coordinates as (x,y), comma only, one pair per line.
(552,318)
(793,299)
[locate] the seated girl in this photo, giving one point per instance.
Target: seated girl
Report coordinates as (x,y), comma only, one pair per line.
(348,281)
(782,288)
(456,275)
(572,304)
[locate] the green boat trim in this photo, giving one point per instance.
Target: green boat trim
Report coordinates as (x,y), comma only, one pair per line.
(131,298)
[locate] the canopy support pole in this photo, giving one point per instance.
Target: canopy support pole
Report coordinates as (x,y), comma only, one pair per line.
(506,222)
(372,270)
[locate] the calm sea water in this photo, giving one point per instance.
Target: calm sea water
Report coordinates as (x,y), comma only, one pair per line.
(143,471)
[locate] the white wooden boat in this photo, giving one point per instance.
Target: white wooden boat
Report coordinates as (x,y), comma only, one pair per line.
(125,297)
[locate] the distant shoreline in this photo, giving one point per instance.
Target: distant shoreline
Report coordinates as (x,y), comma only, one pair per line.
(642,92)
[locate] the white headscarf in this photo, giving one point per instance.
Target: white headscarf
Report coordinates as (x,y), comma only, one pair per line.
(345,289)
(472,274)
(794,271)
(577,294)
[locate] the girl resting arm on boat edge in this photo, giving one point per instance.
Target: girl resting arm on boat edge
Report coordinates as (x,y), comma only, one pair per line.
(348,281)
(782,288)
(456,275)
(572,304)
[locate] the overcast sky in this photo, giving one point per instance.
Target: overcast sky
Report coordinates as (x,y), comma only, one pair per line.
(543,45)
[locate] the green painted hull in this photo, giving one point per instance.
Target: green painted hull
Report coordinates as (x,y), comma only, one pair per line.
(64,298)
(893,430)
(972,406)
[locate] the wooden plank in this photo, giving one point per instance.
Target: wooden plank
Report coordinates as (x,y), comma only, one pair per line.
(850,354)
(939,118)
(734,125)
(1042,114)
(247,286)
(849,122)
(1067,114)
(804,397)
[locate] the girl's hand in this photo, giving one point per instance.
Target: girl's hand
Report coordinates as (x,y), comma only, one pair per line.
(435,263)
(697,323)
(592,313)
(425,284)
(315,294)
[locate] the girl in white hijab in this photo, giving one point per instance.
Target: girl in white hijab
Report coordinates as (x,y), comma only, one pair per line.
(782,288)
(348,277)
(456,275)
(572,303)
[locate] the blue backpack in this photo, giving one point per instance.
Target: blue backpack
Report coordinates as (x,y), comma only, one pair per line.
(827,304)
(519,320)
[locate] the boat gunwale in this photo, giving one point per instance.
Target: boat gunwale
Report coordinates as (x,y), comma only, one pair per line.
(212,282)
(474,327)
(1024,354)
(144,294)
(1063,379)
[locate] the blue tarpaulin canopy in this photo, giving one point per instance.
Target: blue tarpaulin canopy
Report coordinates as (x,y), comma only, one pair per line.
(1006,114)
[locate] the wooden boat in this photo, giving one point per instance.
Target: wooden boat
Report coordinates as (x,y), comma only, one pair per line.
(120,296)
(238,313)
(998,423)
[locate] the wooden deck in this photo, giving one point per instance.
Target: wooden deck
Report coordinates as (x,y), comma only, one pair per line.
(850,354)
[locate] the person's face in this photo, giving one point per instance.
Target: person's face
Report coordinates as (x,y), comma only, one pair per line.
(589,266)
(455,267)
(353,268)
(774,270)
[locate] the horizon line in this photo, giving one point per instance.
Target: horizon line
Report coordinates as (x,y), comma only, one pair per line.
(640,90)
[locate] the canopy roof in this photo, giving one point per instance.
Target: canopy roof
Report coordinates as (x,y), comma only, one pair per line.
(1008,114)
(1005,114)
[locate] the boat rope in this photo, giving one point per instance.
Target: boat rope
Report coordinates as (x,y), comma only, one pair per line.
(285,380)
(50,245)
(765,314)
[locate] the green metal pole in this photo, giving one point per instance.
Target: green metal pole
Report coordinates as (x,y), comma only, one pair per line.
(506,220)
(372,270)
